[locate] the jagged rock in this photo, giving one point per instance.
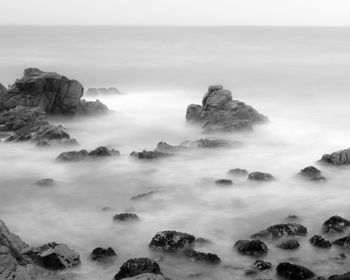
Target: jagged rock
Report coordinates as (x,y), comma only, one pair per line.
(293,272)
(319,241)
(345,276)
(224,182)
(335,224)
(99,152)
(238,172)
(202,257)
(289,245)
(54,256)
(125,217)
(280,230)
(103,152)
(255,248)
(49,91)
(258,266)
(45,182)
(343,242)
(337,158)
(102,254)
(149,155)
(147,276)
(312,173)
(142,195)
(171,241)
(260,176)
(137,266)
(220,112)
(103,91)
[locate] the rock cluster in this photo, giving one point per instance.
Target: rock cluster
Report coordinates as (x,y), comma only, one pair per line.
(99,152)
(148,155)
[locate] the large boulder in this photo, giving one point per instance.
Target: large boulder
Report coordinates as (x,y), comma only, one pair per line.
(49,91)
(320,242)
(282,230)
(337,158)
(220,112)
(137,266)
(291,271)
(254,248)
(171,241)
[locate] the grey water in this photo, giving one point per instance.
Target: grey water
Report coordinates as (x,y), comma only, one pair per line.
(298,77)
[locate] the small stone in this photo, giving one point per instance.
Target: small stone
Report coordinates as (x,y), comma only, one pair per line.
(343,242)
(255,248)
(280,230)
(312,173)
(149,155)
(208,258)
(224,182)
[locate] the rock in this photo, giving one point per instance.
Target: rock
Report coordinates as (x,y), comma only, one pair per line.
(220,112)
(337,158)
(258,266)
(335,224)
(142,195)
(289,244)
(280,230)
(103,91)
(260,176)
(149,155)
(99,152)
(103,152)
(210,143)
(343,242)
(11,269)
(102,254)
(208,258)
(238,172)
(255,248)
(319,241)
(93,107)
(312,173)
(293,272)
(166,148)
(148,276)
(202,241)
(3,90)
(345,276)
(49,91)
(125,217)
(46,182)
(292,218)
(224,182)
(135,267)
(54,256)
(171,241)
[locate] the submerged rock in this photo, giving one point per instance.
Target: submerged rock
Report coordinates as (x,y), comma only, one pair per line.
(46,182)
(220,112)
(293,272)
(137,266)
(102,254)
(126,217)
(343,242)
(289,244)
(171,241)
(149,155)
(99,152)
(255,248)
(337,158)
(319,241)
(224,182)
(202,257)
(312,173)
(280,230)
(238,172)
(260,176)
(335,224)
(258,266)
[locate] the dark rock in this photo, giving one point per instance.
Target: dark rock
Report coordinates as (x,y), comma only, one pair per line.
(289,245)
(45,182)
(147,276)
(335,224)
(255,248)
(171,241)
(293,272)
(260,265)
(220,112)
(103,152)
(99,152)
(134,267)
(125,217)
(224,182)
(202,257)
(312,173)
(260,176)
(280,230)
(54,256)
(142,195)
(238,172)
(345,276)
(319,241)
(149,155)
(102,254)
(343,242)
(93,107)
(201,241)
(337,158)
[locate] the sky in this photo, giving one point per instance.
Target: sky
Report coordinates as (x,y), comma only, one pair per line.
(175,12)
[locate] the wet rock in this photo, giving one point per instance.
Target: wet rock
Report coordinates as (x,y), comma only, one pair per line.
(260,176)
(137,266)
(102,254)
(258,266)
(238,172)
(171,241)
(293,272)
(345,276)
(149,155)
(280,230)
(224,182)
(126,217)
(99,152)
(103,152)
(319,241)
(54,256)
(312,173)
(46,182)
(335,224)
(343,242)
(142,195)
(93,107)
(289,244)
(337,158)
(255,248)
(220,112)
(208,258)
(103,91)
(147,276)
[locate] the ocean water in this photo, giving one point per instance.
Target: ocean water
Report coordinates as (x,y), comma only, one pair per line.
(298,77)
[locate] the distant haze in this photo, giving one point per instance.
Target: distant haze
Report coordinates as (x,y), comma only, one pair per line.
(176,12)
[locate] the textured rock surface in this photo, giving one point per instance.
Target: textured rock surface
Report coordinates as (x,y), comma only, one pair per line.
(255,248)
(319,241)
(208,258)
(343,242)
(220,112)
(293,272)
(99,152)
(345,276)
(312,173)
(149,155)
(224,182)
(289,245)
(171,241)
(3,90)
(280,230)
(335,224)
(260,176)
(102,254)
(125,217)
(337,158)
(137,266)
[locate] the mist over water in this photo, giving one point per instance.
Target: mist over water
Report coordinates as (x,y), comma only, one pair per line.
(298,77)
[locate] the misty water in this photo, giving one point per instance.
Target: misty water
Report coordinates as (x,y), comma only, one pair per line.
(298,77)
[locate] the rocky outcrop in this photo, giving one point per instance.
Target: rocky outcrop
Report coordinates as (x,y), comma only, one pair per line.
(311,173)
(149,155)
(99,152)
(103,254)
(49,91)
(343,242)
(126,217)
(337,158)
(208,258)
(281,230)
(335,224)
(137,266)
(290,244)
(260,176)
(103,91)
(291,271)
(255,248)
(220,112)
(171,241)
(345,276)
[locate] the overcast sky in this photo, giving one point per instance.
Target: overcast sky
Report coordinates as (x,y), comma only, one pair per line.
(176,12)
